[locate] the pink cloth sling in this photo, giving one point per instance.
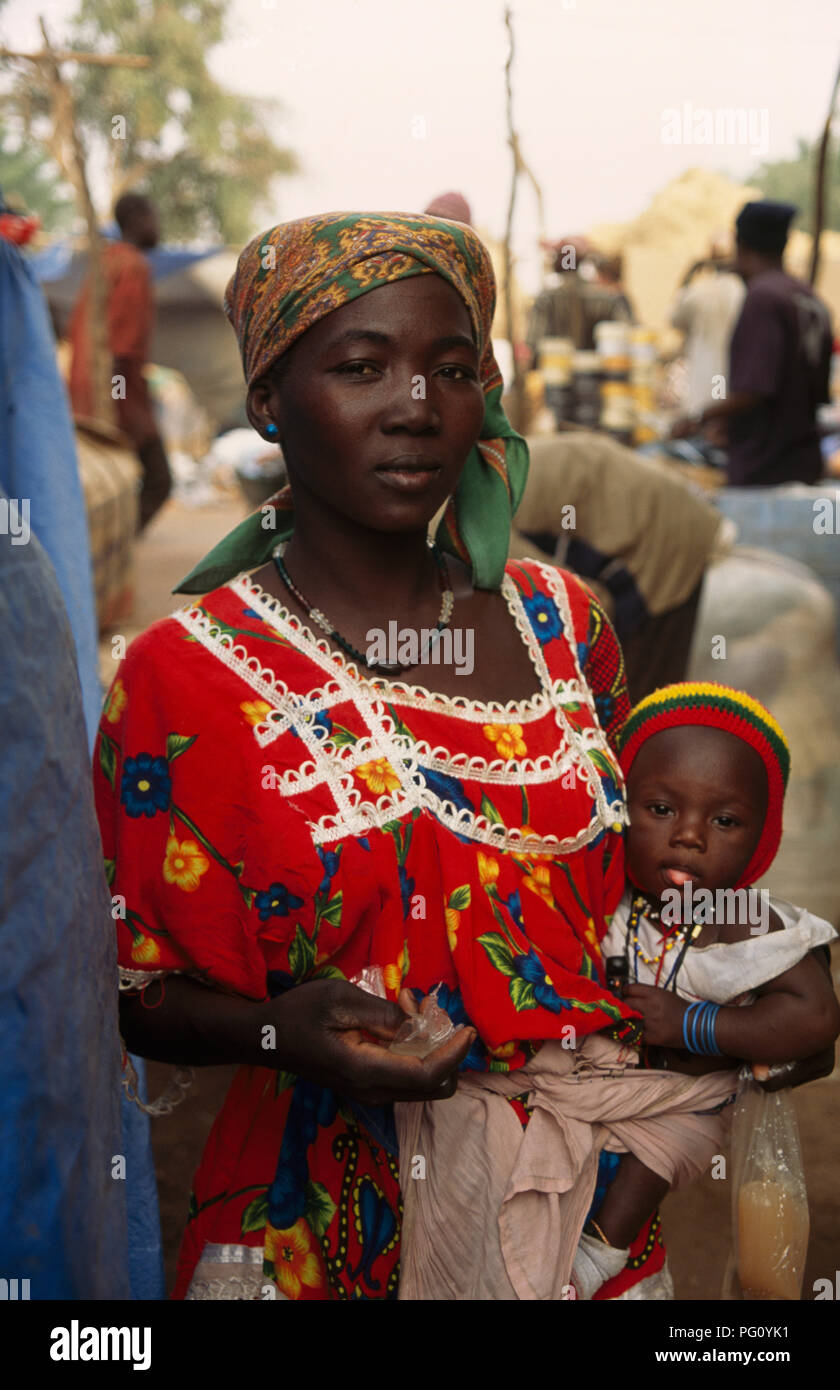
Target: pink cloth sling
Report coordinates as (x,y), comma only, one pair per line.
(495,1211)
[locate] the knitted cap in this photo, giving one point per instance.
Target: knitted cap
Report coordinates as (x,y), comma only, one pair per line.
(733,711)
(764,225)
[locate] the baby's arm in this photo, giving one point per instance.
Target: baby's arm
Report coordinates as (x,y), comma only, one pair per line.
(796,1015)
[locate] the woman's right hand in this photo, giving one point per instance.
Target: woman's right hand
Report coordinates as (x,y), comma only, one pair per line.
(324,1032)
(321,1031)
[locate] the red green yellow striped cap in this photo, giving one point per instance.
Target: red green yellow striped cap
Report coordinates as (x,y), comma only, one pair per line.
(719,707)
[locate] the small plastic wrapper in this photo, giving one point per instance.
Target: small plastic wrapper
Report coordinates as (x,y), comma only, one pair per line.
(371,980)
(424,1031)
(770,1220)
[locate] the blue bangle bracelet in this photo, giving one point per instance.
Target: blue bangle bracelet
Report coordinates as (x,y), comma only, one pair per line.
(704,1029)
(698,1029)
(702,1016)
(687,1018)
(713,1049)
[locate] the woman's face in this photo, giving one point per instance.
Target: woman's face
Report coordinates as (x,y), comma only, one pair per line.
(379,405)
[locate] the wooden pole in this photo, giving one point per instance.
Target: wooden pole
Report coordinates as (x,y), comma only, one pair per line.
(67,55)
(518,384)
(520,166)
(67,146)
(819,183)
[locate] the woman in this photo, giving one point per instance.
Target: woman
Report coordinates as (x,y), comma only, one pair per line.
(279,811)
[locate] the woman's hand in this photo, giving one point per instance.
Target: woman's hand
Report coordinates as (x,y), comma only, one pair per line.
(781,1074)
(321,1035)
(321,1031)
(662,1013)
(685,427)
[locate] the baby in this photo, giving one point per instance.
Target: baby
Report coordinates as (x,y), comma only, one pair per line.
(711,972)
(504,1210)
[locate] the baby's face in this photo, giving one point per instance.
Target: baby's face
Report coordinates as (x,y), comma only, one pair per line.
(697,799)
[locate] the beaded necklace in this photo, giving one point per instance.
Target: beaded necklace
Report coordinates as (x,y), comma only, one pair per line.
(322,621)
(681,934)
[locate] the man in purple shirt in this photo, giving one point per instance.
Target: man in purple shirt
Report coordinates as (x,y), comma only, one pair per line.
(779,361)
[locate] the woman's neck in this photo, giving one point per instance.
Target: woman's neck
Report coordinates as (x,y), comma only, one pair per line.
(358,566)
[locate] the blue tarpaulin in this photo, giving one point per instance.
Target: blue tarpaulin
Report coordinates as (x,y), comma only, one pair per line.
(62,1212)
(62,1209)
(60,259)
(38,457)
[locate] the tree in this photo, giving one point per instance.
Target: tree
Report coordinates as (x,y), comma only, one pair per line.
(31,183)
(204,154)
(792,181)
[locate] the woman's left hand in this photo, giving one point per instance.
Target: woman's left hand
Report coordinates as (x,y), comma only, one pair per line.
(662,1012)
(686,427)
(782,1074)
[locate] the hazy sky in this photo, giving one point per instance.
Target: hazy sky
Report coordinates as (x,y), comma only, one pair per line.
(388,102)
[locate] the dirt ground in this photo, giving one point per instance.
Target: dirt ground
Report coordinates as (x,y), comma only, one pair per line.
(696,1221)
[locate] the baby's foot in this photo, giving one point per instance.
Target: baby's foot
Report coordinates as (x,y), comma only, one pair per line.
(595,1262)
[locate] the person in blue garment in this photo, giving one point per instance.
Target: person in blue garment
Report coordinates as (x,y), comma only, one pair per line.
(62,1200)
(62,1214)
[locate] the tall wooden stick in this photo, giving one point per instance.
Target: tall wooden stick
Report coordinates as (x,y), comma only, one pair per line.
(518,384)
(66,146)
(819,183)
(520,166)
(67,55)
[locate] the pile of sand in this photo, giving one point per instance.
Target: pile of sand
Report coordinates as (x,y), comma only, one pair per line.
(683,218)
(678,228)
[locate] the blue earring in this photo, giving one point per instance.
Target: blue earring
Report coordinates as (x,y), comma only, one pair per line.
(271,430)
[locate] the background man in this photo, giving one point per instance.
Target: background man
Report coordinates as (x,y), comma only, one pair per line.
(572,307)
(130,320)
(706,310)
(779,361)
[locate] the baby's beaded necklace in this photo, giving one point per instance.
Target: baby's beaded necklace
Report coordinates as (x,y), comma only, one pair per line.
(684,933)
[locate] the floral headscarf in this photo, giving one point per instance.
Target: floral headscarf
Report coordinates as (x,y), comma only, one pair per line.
(295,274)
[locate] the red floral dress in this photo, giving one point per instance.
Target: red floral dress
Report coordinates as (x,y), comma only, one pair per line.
(269,816)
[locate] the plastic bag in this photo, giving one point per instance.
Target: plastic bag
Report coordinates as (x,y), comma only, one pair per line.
(770,1221)
(424,1031)
(371,980)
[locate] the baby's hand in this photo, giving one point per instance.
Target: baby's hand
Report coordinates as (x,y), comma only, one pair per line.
(661,1011)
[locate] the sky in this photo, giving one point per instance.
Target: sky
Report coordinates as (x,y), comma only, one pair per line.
(389,102)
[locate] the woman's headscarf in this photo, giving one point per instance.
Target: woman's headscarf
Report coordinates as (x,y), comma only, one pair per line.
(292,276)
